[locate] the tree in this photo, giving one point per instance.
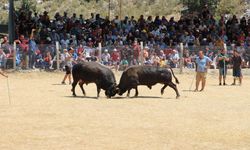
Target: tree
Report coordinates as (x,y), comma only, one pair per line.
(230,7)
(197,5)
(28,5)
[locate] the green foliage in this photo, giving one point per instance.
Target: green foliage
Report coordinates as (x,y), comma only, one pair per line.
(28,5)
(230,7)
(197,5)
(129,7)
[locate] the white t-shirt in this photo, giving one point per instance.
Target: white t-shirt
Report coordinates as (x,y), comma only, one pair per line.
(68,59)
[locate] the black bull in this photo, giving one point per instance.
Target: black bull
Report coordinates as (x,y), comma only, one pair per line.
(103,77)
(92,72)
(146,75)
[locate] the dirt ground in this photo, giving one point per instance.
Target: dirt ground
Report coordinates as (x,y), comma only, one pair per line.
(42,115)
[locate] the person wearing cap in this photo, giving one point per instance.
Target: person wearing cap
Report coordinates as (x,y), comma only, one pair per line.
(45,20)
(68,65)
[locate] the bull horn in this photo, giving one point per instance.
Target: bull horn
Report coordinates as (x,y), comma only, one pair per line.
(117,90)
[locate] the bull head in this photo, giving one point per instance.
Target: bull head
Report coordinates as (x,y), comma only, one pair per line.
(111,91)
(118,90)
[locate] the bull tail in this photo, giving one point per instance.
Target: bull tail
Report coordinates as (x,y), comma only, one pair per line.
(176,80)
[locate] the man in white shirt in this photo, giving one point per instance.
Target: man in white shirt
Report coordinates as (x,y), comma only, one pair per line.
(68,65)
(174,59)
(105,57)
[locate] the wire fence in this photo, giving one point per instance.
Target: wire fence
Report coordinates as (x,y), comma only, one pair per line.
(51,57)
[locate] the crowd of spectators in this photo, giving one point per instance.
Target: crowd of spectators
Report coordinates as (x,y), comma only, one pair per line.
(37,34)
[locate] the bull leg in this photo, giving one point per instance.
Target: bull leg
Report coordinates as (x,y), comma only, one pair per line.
(163,88)
(98,91)
(81,86)
(136,91)
(173,86)
(73,87)
(128,92)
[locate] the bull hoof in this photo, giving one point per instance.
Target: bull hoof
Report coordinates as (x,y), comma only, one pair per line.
(74,95)
(178,96)
(162,92)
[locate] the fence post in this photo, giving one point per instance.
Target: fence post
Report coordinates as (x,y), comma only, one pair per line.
(225,46)
(141,53)
(14,56)
(181,58)
(100,52)
(57,56)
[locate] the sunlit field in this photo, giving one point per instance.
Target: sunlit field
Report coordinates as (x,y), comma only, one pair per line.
(42,114)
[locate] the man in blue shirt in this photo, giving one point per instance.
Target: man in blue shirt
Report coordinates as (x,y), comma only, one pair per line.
(202,63)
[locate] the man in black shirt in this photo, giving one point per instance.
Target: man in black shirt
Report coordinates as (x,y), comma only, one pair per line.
(236,61)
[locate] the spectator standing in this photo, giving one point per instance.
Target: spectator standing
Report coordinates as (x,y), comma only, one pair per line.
(2,62)
(23,50)
(223,62)
(32,48)
(136,53)
(115,57)
(47,61)
(202,64)
(3,59)
(68,65)
(237,62)
(7,48)
(174,59)
(105,57)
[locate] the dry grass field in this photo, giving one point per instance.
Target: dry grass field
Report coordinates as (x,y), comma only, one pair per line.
(43,115)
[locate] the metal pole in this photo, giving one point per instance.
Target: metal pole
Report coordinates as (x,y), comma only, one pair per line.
(100,52)
(8,90)
(181,58)
(11,24)
(14,56)
(225,47)
(141,54)
(57,56)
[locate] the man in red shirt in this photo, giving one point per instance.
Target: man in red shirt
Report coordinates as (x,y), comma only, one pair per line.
(115,57)
(24,47)
(136,48)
